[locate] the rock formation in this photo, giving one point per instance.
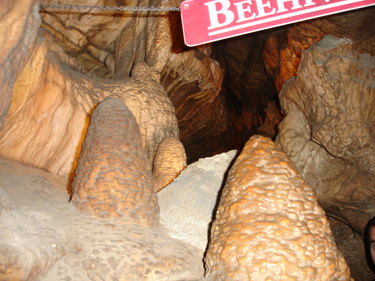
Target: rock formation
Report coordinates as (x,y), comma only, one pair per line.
(113,177)
(20,21)
(269,224)
(55,80)
(246,82)
(109,43)
(52,102)
(328,128)
(188,204)
(44,237)
(283,48)
(170,160)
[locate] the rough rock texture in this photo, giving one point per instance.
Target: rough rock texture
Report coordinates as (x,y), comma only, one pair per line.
(269,224)
(352,247)
(273,117)
(246,80)
(19,21)
(44,225)
(329,125)
(188,204)
(170,160)
(283,48)
(52,102)
(108,44)
(151,107)
(30,240)
(193,82)
(113,176)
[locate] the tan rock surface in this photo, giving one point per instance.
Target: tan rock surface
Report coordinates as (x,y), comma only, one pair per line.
(108,44)
(329,124)
(44,229)
(30,241)
(283,48)
(269,223)
(170,160)
(113,177)
(19,21)
(52,102)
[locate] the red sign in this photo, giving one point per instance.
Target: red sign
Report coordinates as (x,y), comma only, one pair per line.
(206,21)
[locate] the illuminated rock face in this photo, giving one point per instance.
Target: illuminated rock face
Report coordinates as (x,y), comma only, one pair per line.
(113,176)
(107,44)
(52,102)
(329,124)
(20,21)
(170,160)
(53,98)
(269,225)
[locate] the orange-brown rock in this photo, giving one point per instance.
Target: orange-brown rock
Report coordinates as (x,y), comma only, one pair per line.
(193,82)
(329,124)
(170,160)
(282,49)
(272,120)
(52,101)
(269,224)
(113,177)
(108,44)
(19,21)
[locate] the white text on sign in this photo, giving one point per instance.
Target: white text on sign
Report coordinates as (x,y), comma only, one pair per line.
(246,10)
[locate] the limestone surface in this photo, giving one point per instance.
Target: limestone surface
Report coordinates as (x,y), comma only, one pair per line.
(31,242)
(43,237)
(269,225)
(170,160)
(113,177)
(283,48)
(19,21)
(329,125)
(109,43)
(188,204)
(51,105)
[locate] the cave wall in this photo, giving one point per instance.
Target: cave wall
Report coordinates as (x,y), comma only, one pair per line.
(108,44)
(221,93)
(329,125)
(52,102)
(283,48)
(17,33)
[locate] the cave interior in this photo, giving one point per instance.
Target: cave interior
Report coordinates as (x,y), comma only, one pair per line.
(307,86)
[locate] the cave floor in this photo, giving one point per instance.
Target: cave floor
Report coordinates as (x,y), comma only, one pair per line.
(44,236)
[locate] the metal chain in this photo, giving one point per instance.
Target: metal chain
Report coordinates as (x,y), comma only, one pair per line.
(116,8)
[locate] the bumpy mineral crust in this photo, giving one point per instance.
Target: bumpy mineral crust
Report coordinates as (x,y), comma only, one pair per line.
(113,176)
(269,225)
(328,130)
(170,160)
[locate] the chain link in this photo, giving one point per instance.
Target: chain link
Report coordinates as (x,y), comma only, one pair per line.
(107,8)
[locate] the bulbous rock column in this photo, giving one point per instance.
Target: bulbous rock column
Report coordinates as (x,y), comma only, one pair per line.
(113,176)
(170,160)
(269,225)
